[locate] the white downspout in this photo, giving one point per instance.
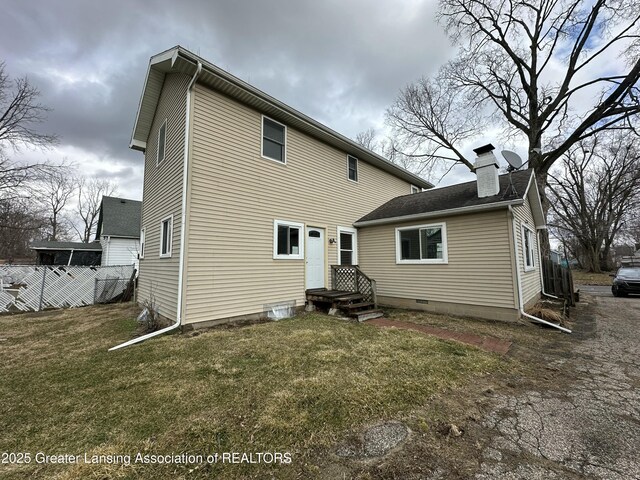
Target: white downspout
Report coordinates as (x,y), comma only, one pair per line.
(519,284)
(541,276)
(183,223)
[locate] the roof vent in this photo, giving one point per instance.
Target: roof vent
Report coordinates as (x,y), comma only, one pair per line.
(486,168)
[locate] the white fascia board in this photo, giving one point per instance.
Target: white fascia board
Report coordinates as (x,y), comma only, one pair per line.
(440,213)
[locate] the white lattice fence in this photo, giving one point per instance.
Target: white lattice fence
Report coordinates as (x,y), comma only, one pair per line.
(31,288)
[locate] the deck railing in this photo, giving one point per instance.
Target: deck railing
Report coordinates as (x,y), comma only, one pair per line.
(351,279)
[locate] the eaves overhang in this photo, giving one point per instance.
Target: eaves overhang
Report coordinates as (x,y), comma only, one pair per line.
(181,60)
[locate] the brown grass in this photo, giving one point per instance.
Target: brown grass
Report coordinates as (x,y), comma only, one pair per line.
(291,386)
(581,277)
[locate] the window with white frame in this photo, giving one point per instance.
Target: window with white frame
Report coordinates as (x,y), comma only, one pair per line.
(347,246)
(166,235)
(288,240)
(528,241)
(352,168)
(141,255)
(162,139)
(274,137)
(415,189)
(422,244)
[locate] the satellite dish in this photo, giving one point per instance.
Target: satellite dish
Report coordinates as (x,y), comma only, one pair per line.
(512,158)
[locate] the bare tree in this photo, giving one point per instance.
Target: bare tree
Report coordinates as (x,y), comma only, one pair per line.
(367,138)
(596,186)
(528,67)
(56,189)
(20,113)
(20,224)
(90,193)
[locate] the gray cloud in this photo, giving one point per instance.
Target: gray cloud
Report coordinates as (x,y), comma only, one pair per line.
(339,62)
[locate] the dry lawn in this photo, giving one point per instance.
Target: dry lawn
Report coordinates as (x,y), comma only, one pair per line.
(295,386)
(581,277)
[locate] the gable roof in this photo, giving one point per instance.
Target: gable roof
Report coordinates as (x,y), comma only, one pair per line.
(178,59)
(119,217)
(80,246)
(456,199)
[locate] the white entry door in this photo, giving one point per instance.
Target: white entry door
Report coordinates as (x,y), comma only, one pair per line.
(314,260)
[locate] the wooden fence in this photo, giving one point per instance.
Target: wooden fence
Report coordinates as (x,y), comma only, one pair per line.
(34,288)
(558,281)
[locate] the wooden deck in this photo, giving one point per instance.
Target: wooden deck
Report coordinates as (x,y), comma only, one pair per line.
(351,303)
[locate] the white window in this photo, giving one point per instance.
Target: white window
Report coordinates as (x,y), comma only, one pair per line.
(141,254)
(347,246)
(415,189)
(422,244)
(352,168)
(166,236)
(288,240)
(274,139)
(162,139)
(528,240)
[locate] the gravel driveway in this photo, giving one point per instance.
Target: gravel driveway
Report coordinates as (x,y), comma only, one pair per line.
(589,428)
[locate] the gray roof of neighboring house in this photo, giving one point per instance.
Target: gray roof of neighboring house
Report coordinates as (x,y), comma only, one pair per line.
(46,245)
(119,217)
(179,59)
(461,197)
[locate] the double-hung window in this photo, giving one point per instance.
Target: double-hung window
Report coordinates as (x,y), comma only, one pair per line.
(288,240)
(274,136)
(528,247)
(422,244)
(352,168)
(162,139)
(347,246)
(166,236)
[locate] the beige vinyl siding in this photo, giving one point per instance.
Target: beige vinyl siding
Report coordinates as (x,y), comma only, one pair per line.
(162,196)
(531,286)
(478,272)
(235,195)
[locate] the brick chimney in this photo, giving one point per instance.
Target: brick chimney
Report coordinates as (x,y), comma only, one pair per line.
(486,168)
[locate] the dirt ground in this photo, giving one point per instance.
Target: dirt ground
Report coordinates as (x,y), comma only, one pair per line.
(573,413)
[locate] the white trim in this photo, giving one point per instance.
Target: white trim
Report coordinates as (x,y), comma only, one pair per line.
(170,232)
(301,235)
(532,255)
(445,255)
(357,168)
(439,213)
(141,254)
(354,244)
(284,147)
(418,190)
(164,151)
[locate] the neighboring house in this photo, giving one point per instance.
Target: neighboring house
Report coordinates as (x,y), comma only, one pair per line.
(118,230)
(67,253)
(227,213)
(247,202)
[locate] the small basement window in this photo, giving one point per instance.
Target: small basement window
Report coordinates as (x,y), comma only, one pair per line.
(166,235)
(274,136)
(352,168)
(528,244)
(422,244)
(162,139)
(288,240)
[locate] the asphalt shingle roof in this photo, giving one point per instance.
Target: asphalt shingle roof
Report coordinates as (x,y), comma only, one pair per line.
(119,217)
(94,246)
(448,198)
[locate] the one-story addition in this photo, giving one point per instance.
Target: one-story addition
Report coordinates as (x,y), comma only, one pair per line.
(248,203)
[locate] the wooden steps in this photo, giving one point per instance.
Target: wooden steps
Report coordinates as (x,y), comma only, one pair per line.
(352,304)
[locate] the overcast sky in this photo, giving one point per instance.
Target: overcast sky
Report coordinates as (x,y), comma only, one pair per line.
(342,63)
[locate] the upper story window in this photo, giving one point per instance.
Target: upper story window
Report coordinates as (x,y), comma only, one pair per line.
(415,189)
(288,240)
(422,244)
(162,139)
(274,139)
(166,235)
(527,245)
(352,168)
